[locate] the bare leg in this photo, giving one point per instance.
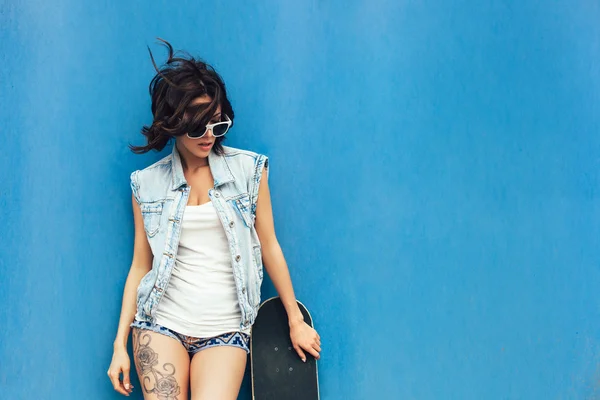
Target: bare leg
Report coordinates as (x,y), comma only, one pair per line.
(217,373)
(162,364)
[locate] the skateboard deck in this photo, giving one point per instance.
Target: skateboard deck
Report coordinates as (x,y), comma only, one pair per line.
(278,373)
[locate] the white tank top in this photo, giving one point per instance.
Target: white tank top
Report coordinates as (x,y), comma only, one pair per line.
(201,299)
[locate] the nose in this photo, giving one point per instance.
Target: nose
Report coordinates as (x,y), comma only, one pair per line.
(209,133)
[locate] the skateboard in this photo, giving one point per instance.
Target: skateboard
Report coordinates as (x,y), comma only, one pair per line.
(278,373)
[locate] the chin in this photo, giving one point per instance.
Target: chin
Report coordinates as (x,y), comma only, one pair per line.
(192,148)
(201,153)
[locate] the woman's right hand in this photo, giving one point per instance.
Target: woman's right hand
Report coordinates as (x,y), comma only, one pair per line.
(120,364)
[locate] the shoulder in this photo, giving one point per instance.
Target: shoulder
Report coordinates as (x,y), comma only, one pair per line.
(250,166)
(152,177)
(160,167)
(240,154)
(246,161)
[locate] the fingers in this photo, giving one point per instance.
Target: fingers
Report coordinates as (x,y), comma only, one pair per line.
(125,387)
(306,339)
(300,353)
(317,338)
(313,349)
(126,382)
(317,343)
(114,378)
(312,352)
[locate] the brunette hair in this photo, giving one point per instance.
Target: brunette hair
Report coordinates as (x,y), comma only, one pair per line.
(175,86)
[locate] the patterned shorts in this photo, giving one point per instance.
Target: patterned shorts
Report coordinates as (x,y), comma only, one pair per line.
(194,344)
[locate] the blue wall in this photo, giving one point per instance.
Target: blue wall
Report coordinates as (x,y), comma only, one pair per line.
(434,170)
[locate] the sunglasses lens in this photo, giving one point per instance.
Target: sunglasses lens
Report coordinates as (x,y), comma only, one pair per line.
(220,129)
(196,134)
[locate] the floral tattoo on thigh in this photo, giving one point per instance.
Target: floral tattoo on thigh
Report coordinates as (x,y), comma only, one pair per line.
(146,360)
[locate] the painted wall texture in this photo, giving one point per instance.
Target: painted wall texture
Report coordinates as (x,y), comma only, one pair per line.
(434,173)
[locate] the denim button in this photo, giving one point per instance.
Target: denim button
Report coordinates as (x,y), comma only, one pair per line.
(238,258)
(231,224)
(217,194)
(244,290)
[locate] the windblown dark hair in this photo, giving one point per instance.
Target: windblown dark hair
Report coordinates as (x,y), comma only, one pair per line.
(175,86)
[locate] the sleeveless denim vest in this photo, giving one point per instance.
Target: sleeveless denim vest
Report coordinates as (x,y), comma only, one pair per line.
(162,194)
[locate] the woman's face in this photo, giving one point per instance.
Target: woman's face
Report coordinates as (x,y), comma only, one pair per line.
(200,147)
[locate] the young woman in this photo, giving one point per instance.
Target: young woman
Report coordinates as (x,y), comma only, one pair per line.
(203,228)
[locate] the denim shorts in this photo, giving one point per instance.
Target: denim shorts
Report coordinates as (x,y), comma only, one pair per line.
(194,344)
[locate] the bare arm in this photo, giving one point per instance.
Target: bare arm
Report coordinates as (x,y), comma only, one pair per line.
(303,336)
(140,265)
(272,255)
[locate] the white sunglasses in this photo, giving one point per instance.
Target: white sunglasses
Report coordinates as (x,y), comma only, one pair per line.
(218,129)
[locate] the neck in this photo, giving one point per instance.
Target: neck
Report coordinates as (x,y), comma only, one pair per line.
(190,161)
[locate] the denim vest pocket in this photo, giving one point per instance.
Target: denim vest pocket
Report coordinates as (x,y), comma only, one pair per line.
(242,208)
(151,213)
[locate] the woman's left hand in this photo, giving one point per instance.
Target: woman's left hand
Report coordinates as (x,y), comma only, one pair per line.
(304,338)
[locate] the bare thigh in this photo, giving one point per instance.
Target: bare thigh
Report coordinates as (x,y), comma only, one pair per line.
(217,373)
(162,364)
